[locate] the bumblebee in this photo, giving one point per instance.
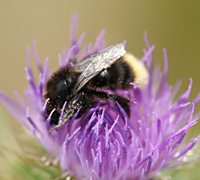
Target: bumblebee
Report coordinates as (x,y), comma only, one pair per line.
(80,87)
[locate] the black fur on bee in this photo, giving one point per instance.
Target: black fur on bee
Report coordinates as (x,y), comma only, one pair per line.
(83,85)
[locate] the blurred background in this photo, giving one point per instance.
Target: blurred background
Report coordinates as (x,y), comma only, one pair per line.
(174,25)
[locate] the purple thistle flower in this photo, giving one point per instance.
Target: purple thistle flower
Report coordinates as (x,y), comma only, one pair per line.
(105,143)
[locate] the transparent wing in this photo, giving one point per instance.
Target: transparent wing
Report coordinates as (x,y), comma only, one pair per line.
(96,63)
(82,65)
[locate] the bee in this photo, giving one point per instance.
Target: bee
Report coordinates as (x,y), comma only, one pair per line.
(80,87)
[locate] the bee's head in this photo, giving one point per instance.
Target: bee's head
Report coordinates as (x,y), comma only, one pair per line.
(68,110)
(58,88)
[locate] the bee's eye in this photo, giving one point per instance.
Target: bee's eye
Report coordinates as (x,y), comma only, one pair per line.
(61,86)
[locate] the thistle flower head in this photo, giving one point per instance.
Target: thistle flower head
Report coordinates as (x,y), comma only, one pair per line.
(105,143)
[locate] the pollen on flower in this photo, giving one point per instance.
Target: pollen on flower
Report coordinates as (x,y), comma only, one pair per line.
(106,142)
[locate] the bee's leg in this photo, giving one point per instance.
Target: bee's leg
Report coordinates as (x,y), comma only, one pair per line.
(115,97)
(122,101)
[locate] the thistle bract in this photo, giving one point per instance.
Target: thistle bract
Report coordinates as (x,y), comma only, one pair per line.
(105,143)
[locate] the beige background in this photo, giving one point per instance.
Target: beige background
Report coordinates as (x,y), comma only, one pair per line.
(174,25)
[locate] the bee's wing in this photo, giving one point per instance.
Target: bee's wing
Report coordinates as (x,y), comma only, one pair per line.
(82,65)
(96,63)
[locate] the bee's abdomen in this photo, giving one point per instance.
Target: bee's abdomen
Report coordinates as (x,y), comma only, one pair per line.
(118,76)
